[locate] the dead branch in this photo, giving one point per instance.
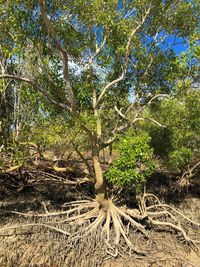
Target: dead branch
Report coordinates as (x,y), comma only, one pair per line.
(184,181)
(61,169)
(12,169)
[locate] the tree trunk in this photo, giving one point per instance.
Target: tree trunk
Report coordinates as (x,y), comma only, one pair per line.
(100,184)
(16,114)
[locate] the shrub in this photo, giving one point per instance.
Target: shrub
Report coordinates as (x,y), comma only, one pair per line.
(135,163)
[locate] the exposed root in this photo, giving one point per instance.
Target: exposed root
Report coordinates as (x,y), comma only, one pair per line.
(114,223)
(175,210)
(173,226)
(34,224)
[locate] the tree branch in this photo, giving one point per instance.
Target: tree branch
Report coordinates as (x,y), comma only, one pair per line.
(128,124)
(151,100)
(98,50)
(140,110)
(155,122)
(63,53)
(120,113)
(38,87)
(121,77)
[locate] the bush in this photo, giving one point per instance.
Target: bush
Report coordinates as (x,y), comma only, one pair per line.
(135,163)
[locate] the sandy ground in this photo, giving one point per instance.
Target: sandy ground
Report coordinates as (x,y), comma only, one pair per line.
(36,247)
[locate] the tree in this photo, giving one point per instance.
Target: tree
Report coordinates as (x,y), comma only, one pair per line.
(86,58)
(177,145)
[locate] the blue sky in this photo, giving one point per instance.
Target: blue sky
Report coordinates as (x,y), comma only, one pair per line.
(180,46)
(181,43)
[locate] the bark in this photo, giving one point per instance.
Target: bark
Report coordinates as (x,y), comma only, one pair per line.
(110,154)
(4,117)
(100,184)
(16,114)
